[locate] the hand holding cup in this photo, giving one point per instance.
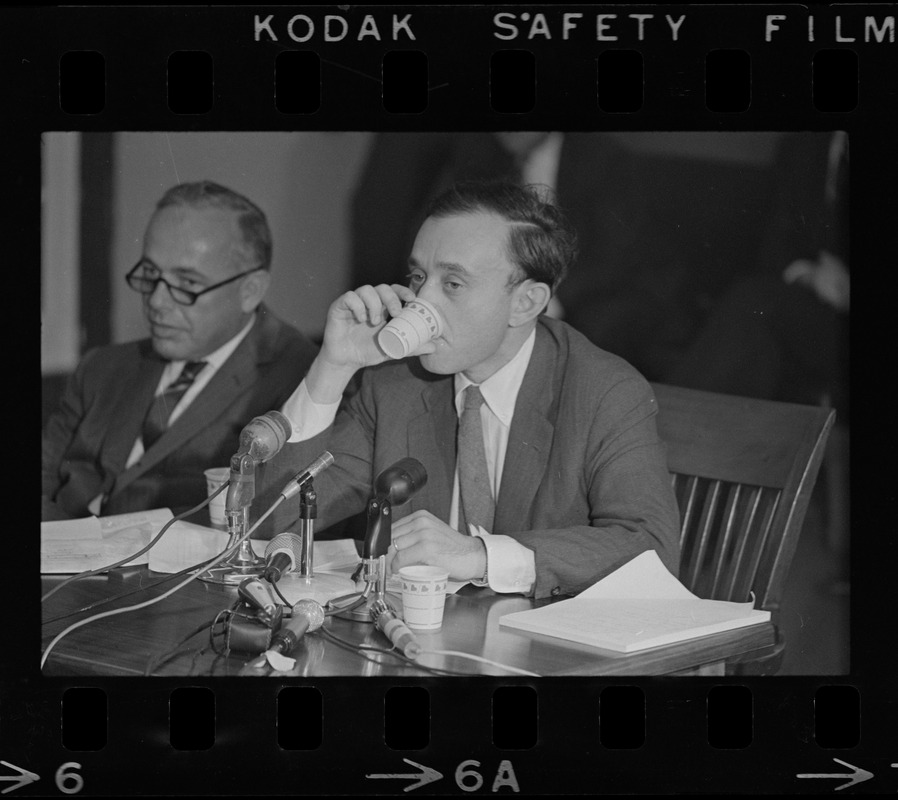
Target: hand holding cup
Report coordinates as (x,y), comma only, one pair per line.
(417,324)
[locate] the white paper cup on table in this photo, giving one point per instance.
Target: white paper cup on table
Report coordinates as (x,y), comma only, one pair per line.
(423,596)
(417,323)
(215,477)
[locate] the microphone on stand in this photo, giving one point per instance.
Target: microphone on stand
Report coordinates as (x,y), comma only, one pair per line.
(303,582)
(264,436)
(393,486)
(283,554)
(400,481)
(261,439)
(301,478)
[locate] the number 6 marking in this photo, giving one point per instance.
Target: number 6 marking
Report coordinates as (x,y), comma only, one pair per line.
(65,774)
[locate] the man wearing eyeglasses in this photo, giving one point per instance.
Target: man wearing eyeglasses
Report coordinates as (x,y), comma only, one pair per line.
(139,422)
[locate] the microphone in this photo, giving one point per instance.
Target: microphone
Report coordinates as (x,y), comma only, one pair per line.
(309,473)
(257,595)
(260,440)
(395,629)
(400,481)
(264,436)
(283,554)
(392,487)
(307,616)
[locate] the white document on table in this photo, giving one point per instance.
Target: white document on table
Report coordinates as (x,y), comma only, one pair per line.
(638,606)
(91,543)
(78,545)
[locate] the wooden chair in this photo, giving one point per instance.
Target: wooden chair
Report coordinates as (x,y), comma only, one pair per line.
(742,471)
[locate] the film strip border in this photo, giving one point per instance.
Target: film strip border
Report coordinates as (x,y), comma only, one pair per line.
(376,736)
(713,67)
(361,66)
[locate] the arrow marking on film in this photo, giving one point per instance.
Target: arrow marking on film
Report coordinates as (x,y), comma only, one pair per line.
(858,776)
(22,779)
(426,776)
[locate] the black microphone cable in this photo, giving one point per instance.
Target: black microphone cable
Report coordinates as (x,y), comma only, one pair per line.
(142,588)
(157,661)
(279,593)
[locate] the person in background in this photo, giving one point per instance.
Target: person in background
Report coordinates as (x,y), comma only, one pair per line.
(139,422)
(545,470)
(781,333)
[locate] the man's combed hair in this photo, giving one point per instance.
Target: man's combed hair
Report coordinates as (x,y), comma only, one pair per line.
(542,243)
(251,219)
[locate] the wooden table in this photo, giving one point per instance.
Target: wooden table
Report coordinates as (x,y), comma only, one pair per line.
(125,644)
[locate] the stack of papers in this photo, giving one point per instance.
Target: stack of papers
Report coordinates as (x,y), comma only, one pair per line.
(638,606)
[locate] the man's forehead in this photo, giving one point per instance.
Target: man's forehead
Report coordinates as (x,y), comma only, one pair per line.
(462,237)
(204,220)
(186,230)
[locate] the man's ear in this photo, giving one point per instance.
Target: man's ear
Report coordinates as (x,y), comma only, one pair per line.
(531,297)
(253,289)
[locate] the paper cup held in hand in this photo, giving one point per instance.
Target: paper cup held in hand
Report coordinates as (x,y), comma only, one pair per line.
(423,596)
(417,323)
(215,477)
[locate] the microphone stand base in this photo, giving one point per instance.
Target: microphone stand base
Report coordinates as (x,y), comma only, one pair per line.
(362,613)
(320,587)
(241,564)
(232,574)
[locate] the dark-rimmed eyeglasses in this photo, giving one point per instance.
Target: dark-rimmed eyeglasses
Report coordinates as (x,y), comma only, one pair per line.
(140,281)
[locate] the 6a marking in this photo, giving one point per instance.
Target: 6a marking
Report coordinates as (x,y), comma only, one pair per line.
(469,780)
(466,778)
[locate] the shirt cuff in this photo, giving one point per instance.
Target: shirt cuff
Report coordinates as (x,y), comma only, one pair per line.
(511,566)
(307,418)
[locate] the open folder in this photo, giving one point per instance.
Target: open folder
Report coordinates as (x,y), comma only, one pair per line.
(638,606)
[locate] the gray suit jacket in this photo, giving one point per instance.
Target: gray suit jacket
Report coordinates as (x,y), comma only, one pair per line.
(87,441)
(585,483)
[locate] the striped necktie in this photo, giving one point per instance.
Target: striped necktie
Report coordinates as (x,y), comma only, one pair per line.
(156,420)
(476,505)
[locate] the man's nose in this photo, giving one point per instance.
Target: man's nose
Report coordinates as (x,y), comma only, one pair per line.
(160,297)
(429,290)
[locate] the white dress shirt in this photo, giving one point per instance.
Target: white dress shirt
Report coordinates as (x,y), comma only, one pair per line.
(512,567)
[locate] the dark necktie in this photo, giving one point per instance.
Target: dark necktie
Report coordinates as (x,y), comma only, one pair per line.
(476,505)
(156,420)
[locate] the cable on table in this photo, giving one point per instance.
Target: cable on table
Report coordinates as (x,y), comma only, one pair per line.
(156,538)
(218,559)
(111,599)
(157,661)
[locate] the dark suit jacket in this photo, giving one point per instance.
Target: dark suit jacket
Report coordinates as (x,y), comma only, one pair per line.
(585,483)
(88,439)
